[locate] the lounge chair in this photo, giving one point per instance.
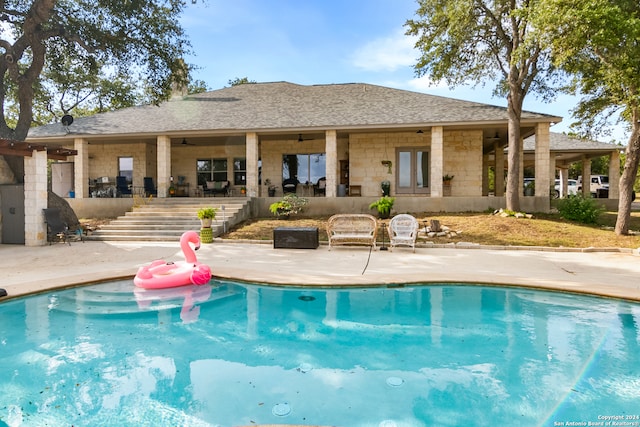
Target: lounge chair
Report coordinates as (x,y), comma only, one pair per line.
(320,187)
(149,188)
(122,186)
(403,231)
(289,185)
(56,228)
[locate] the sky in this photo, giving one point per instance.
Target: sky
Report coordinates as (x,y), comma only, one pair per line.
(327,41)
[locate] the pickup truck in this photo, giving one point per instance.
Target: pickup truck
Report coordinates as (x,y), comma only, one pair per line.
(597,186)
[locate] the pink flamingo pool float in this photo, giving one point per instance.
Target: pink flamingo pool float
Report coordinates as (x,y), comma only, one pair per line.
(161,274)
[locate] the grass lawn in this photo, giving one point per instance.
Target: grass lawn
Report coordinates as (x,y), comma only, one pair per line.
(482,228)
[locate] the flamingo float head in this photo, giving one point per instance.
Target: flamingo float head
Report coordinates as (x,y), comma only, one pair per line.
(186,238)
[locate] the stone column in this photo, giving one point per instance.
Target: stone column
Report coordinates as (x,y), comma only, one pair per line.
(253,154)
(499,169)
(485,175)
(614,175)
(331,148)
(542,156)
(564,181)
(437,160)
(81,168)
(163,143)
(586,176)
(35,198)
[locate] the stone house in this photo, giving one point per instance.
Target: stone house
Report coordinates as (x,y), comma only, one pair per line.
(354,136)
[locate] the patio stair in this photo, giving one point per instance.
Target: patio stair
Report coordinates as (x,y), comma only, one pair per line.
(166,219)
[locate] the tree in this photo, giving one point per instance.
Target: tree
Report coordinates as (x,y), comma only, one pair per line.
(240,81)
(100,40)
(599,44)
(474,40)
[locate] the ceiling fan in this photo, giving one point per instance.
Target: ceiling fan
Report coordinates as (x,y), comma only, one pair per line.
(493,138)
(184,142)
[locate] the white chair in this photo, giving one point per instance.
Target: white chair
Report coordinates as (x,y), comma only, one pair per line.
(403,230)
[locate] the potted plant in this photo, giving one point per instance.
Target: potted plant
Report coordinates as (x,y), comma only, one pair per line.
(388,164)
(243,190)
(271,189)
(290,204)
(383,205)
(446,184)
(206,216)
(385,186)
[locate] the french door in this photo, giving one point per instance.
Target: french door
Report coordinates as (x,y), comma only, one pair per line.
(412,172)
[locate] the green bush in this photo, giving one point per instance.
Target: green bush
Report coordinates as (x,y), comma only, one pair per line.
(580,209)
(290,204)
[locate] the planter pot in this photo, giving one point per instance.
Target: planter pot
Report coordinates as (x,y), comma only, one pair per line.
(206,222)
(384,214)
(206,235)
(446,189)
(272,192)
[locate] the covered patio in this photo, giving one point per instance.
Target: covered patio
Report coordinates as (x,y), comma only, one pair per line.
(352,136)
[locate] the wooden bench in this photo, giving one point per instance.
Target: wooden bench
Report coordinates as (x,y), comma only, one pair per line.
(352,229)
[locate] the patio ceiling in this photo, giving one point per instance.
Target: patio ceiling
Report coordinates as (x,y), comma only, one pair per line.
(26,149)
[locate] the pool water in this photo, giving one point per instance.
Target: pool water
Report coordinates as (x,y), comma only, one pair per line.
(232,354)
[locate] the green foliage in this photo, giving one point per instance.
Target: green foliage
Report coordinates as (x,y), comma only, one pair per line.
(383,205)
(91,50)
(240,81)
(596,42)
(580,209)
(485,40)
(289,205)
(207,213)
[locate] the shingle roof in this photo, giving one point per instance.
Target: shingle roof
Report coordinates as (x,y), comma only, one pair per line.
(282,105)
(564,142)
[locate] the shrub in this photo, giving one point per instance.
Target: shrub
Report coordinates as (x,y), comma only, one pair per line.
(580,209)
(290,204)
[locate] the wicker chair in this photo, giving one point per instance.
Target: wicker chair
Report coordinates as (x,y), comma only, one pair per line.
(403,231)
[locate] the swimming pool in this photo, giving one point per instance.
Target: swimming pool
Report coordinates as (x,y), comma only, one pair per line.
(234,354)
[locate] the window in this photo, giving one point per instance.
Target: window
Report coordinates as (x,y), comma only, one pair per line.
(412,171)
(211,170)
(239,171)
(125,168)
(307,168)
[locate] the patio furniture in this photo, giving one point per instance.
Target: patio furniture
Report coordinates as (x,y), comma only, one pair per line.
(352,229)
(122,186)
(217,187)
(57,229)
(295,237)
(320,187)
(149,187)
(403,231)
(355,190)
(289,185)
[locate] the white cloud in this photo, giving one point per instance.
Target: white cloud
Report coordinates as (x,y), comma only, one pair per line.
(386,53)
(425,84)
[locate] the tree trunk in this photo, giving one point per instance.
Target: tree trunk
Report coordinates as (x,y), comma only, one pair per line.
(628,178)
(514,107)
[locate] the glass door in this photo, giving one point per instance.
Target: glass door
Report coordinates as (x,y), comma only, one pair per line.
(412,172)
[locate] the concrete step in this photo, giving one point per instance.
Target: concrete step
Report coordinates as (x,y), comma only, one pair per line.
(168,219)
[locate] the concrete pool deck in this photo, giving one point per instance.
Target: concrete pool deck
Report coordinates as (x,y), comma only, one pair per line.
(607,273)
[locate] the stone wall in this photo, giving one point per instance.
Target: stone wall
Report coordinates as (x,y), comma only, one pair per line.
(463,159)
